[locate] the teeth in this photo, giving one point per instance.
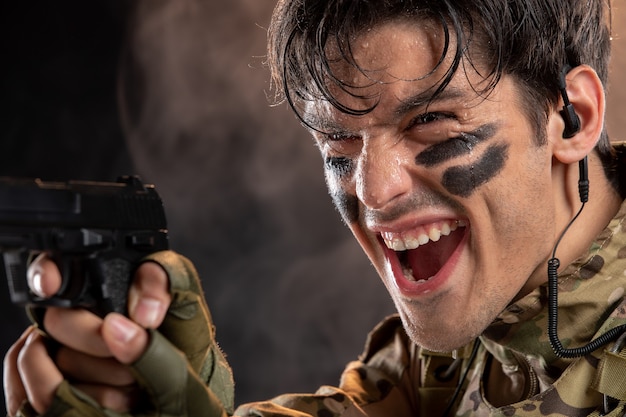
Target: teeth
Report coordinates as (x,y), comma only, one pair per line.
(408,273)
(435,234)
(398,242)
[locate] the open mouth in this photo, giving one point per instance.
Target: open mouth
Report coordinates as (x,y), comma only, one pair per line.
(423,252)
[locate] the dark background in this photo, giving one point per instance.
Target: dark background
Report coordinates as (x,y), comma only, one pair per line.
(176,92)
(291,294)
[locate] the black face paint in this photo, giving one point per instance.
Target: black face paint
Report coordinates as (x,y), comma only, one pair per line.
(347,205)
(464,180)
(455,147)
(339,165)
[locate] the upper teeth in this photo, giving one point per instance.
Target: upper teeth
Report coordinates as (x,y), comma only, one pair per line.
(420,236)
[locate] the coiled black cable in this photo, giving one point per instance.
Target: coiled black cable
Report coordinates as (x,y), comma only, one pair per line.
(553,266)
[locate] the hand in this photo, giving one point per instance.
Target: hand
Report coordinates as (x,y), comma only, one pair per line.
(93,352)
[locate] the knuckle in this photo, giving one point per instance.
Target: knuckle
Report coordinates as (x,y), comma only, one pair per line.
(11,355)
(25,354)
(151,277)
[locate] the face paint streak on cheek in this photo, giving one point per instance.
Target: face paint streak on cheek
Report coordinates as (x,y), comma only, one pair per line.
(445,151)
(347,205)
(455,147)
(464,180)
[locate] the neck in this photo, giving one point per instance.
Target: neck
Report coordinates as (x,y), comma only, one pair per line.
(590,288)
(603,203)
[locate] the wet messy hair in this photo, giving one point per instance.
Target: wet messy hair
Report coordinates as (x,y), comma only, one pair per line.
(530,40)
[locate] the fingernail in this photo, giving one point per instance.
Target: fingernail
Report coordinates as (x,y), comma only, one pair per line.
(122,329)
(148,312)
(36,284)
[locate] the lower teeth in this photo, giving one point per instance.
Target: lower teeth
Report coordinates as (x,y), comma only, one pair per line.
(408,273)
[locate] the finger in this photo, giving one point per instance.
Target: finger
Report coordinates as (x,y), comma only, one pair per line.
(121,400)
(38,372)
(77,329)
(125,339)
(77,366)
(149,296)
(14,391)
(44,278)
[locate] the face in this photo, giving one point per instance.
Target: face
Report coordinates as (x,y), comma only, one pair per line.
(450,199)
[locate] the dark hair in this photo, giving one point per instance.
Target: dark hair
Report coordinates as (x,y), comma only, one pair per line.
(531,40)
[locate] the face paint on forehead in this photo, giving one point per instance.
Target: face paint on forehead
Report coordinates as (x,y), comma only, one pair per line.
(454,147)
(464,180)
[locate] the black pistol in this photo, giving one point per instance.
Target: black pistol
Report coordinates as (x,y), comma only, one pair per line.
(96,232)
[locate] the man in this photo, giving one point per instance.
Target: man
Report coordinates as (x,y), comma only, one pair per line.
(460,140)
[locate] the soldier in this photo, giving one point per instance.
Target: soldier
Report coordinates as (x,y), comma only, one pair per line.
(464,147)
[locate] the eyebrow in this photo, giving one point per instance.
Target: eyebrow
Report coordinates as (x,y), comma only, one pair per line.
(321,125)
(426,98)
(407,105)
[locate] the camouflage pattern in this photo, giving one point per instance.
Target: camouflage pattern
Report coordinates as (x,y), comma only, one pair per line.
(515,373)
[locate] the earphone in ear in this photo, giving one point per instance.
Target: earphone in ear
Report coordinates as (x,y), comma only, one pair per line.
(571,119)
(572,126)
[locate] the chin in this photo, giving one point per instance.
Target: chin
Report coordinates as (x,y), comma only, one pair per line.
(440,337)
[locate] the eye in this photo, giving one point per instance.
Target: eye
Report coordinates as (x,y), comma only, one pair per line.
(429,118)
(342,144)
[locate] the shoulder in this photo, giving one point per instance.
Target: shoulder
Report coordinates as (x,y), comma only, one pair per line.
(389,351)
(388,332)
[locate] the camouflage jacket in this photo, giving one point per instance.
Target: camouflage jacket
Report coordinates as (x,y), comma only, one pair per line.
(514,373)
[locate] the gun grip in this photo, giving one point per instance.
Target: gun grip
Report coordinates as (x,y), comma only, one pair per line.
(114,275)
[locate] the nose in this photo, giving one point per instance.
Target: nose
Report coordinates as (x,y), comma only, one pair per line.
(383,173)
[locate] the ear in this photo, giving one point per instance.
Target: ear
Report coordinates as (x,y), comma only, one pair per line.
(586,94)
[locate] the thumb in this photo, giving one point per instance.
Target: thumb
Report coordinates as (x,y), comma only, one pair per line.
(126,340)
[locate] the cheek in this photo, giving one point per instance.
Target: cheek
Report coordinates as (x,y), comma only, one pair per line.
(464,180)
(347,205)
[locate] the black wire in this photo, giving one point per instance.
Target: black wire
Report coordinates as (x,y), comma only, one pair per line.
(459,386)
(557,346)
(553,266)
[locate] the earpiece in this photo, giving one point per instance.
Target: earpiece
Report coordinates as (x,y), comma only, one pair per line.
(572,126)
(571,119)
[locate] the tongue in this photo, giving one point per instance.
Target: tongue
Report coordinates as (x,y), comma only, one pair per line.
(428,259)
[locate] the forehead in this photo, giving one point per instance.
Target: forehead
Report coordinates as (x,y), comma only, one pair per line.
(399,49)
(392,65)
